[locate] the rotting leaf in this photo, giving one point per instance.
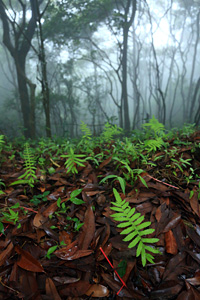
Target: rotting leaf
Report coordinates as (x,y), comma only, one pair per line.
(6,253)
(97,290)
(51,290)
(171,245)
(27,261)
(88,229)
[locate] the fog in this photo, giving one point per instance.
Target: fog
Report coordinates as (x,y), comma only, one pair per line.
(63,62)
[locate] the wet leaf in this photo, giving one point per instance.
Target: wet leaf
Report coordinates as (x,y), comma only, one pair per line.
(97,290)
(171,245)
(51,290)
(27,261)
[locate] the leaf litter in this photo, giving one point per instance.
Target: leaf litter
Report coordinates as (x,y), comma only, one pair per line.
(89,252)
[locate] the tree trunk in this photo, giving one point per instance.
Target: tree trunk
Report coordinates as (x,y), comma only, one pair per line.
(24,96)
(44,80)
(124,80)
(126,26)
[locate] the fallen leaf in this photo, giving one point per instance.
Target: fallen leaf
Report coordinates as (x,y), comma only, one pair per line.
(97,290)
(51,290)
(87,230)
(170,241)
(27,261)
(6,253)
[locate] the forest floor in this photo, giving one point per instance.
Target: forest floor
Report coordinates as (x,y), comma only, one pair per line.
(59,240)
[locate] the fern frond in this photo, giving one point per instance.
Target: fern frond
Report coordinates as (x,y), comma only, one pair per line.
(109,132)
(135,229)
(153,145)
(29,176)
(86,131)
(1,141)
(155,126)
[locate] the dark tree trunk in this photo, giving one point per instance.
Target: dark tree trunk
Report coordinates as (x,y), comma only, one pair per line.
(126,26)
(18,42)
(44,80)
(124,80)
(24,97)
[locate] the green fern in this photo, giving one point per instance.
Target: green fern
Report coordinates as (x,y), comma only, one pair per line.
(1,141)
(153,145)
(74,160)
(110,131)
(29,176)
(86,131)
(154,126)
(135,229)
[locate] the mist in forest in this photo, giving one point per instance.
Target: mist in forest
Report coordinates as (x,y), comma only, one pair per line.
(121,62)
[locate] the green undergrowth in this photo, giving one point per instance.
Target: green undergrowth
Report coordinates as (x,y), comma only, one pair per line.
(123,161)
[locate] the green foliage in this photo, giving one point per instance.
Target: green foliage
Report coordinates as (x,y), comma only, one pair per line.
(74,160)
(133,174)
(154,127)
(74,199)
(188,129)
(121,268)
(37,199)
(10,215)
(109,132)
(86,131)
(135,229)
(1,184)
(29,176)
(121,180)
(152,145)
(76,223)
(52,249)
(2,142)
(1,228)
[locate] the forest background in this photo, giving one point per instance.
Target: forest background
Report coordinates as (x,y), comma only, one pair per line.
(97,61)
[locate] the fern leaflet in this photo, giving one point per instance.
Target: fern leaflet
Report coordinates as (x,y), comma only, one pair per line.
(135,229)
(29,176)
(86,131)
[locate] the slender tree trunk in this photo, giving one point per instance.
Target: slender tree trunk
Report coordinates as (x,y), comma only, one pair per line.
(124,80)
(44,80)
(24,96)
(126,26)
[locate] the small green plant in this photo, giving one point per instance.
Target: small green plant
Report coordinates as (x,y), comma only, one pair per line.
(179,164)
(74,160)
(74,199)
(154,127)
(133,174)
(2,184)
(77,223)
(52,249)
(37,199)
(151,145)
(10,215)
(1,142)
(121,180)
(1,228)
(135,229)
(29,176)
(109,132)
(86,131)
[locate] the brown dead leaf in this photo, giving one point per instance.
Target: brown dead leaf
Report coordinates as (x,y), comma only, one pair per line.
(194,203)
(76,289)
(88,229)
(6,253)
(27,261)
(38,220)
(170,241)
(105,162)
(51,290)
(97,290)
